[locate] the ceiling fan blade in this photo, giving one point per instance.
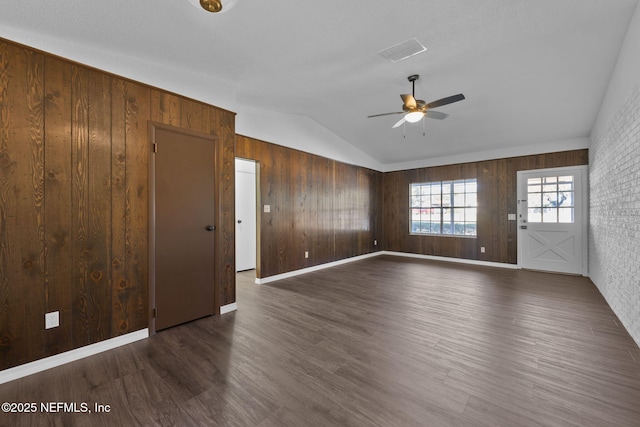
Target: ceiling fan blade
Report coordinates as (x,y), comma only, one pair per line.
(445,101)
(386,114)
(409,101)
(436,115)
(402,120)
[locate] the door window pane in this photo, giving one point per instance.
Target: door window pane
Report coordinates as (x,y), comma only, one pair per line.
(550,184)
(534,215)
(565,215)
(550,215)
(550,199)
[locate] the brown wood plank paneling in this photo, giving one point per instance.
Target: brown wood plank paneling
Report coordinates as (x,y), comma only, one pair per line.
(191,115)
(137,203)
(74,201)
(318,205)
(506,202)
(226,268)
(281,209)
(99,207)
(22,248)
(37,271)
(165,108)
(377,229)
(57,293)
(345,210)
(370,207)
(507,184)
(487,225)
(120,307)
(7,353)
(321,182)
(302,218)
(80,202)
(31,231)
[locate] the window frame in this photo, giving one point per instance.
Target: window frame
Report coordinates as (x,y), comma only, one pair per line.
(451,206)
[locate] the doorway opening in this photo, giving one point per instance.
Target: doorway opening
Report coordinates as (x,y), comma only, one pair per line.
(247,224)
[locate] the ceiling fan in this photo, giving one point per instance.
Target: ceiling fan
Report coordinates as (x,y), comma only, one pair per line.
(415,109)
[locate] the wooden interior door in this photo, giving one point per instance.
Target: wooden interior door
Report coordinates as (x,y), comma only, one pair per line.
(184,204)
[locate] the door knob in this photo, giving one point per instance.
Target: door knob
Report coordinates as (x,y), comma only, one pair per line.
(210,227)
(239,221)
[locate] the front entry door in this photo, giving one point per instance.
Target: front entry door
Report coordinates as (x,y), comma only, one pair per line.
(552,219)
(184,226)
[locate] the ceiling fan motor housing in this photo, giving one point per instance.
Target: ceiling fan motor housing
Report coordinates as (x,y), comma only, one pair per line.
(420,106)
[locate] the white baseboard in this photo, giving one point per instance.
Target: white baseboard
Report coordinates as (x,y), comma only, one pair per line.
(449,259)
(269,279)
(228,308)
(70,356)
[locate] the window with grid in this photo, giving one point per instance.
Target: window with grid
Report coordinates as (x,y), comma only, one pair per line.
(444,207)
(550,199)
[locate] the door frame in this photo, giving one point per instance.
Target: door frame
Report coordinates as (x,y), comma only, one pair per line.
(584,206)
(152,126)
(256,185)
(258,202)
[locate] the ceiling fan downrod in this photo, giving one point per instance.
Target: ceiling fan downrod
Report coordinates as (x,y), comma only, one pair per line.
(412,78)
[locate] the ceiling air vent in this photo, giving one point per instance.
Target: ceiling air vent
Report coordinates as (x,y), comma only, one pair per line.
(404,50)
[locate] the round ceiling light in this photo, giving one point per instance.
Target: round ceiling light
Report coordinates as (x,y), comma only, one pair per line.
(211,5)
(214,6)
(414,117)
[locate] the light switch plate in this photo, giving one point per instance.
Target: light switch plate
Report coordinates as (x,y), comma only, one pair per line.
(267,208)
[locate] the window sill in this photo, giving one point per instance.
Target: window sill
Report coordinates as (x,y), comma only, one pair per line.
(459,236)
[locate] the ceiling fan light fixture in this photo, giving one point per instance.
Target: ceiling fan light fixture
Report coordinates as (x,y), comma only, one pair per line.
(414,116)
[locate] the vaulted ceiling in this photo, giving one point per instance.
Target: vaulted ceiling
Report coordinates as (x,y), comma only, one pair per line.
(533,72)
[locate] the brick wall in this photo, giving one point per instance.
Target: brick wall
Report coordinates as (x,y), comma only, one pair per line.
(614,235)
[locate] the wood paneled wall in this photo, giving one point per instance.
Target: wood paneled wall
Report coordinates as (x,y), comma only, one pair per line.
(323,206)
(74,155)
(497,194)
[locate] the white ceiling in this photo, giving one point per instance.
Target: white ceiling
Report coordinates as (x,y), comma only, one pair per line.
(533,72)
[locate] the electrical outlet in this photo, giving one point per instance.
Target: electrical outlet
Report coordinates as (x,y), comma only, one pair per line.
(482,250)
(306,254)
(375,243)
(267,208)
(52,320)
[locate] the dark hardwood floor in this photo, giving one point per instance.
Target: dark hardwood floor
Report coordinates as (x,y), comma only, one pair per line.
(384,341)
